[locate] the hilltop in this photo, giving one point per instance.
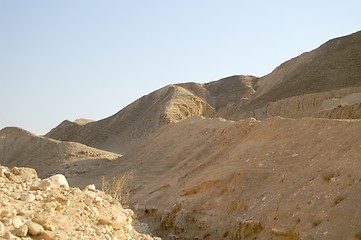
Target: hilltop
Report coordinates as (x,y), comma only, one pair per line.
(321,83)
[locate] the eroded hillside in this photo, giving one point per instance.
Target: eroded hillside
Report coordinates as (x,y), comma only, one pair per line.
(261,179)
(202,168)
(300,87)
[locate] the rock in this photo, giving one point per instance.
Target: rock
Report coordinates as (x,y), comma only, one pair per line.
(17,222)
(121,219)
(91,194)
(49,227)
(16,171)
(64,201)
(31,208)
(49,206)
(28,197)
(7,221)
(104,221)
(43,184)
(88,201)
(22,231)
(16,195)
(2,229)
(284,232)
(8,235)
(34,228)
(5,213)
(2,172)
(90,187)
(59,180)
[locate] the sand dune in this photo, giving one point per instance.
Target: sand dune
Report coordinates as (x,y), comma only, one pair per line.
(19,147)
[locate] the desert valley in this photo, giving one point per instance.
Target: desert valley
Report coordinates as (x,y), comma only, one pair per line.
(244,157)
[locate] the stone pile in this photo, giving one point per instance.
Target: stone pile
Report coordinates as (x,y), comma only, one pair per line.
(33,208)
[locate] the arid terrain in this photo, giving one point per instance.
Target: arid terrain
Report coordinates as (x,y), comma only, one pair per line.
(244,157)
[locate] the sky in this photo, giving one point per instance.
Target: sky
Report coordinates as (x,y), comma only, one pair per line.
(89,58)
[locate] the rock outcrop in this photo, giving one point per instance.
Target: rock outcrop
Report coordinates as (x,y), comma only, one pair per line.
(31,208)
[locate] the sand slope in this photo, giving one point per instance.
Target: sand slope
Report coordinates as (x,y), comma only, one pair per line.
(19,147)
(123,130)
(304,82)
(223,179)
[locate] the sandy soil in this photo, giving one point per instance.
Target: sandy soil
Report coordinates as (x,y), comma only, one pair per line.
(261,179)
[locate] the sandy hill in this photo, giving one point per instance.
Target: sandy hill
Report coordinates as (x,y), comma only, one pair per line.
(203,169)
(300,86)
(121,131)
(272,179)
(127,128)
(19,147)
(322,83)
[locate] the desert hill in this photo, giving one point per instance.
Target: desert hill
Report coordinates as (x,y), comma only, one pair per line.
(203,168)
(140,119)
(272,179)
(298,87)
(314,84)
(19,147)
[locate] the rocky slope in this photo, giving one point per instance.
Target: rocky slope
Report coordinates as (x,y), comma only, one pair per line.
(272,179)
(19,147)
(31,208)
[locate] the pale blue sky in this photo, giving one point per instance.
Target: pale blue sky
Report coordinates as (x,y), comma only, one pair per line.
(88,59)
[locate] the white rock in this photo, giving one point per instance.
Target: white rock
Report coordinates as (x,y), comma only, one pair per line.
(43,184)
(7,221)
(2,171)
(90,187)
(15,171)
(88,201)
(28,197)
(5,213)
(59,180)
(17,222)
(22,231)
(9,235)
(34,228)
(2,229)
(120,220)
